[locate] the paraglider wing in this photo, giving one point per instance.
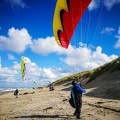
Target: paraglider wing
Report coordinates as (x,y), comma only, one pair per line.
(35,82)
(25,67)
(66,17)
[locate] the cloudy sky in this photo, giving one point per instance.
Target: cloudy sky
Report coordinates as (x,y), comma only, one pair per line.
(26,29)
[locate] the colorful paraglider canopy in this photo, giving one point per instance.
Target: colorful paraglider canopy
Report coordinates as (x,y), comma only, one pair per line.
(25,67)
(66,17)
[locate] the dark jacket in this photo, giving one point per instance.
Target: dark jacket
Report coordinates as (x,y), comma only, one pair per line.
(16,92)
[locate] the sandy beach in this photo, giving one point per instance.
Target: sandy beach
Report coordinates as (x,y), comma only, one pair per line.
(54,105)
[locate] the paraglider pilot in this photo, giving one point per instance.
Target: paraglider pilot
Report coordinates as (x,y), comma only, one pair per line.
(51,88)
(76,93)
(16,93)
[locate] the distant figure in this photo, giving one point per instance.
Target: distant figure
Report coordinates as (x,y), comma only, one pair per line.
(76,94)
(16,93)
(51,88)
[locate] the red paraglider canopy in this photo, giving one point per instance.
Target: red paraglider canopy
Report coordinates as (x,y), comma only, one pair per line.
(66,17)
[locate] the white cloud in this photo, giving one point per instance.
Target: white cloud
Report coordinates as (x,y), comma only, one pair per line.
(51,73)
(107,30)
(44,76)
(102,58)
(110,3)
(16,66)
(7,73)
(94,5)
(78,59)
(17,40)
(11,57)
(83,58)
(117,44)
(46,46)
(119,31)
(16,3)
(0,62)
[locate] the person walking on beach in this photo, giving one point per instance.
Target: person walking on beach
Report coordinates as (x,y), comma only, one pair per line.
(76,94)
(16,93)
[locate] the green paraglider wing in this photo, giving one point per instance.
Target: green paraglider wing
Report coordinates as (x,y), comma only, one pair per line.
(25,67)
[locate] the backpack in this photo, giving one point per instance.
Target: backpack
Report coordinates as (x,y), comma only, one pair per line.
(72,100)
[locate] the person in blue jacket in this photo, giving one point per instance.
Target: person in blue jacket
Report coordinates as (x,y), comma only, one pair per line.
(76,93)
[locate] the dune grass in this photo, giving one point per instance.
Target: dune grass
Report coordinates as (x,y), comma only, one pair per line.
(91,74)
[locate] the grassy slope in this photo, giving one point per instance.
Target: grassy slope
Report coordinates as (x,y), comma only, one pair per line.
(105,79)
(110,67)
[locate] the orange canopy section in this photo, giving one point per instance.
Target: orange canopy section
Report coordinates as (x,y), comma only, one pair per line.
(66,17)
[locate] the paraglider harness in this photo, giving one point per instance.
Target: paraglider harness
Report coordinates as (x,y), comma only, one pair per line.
(72,99)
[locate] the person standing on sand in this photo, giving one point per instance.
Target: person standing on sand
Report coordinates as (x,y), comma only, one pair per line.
(76,93)
(16,93)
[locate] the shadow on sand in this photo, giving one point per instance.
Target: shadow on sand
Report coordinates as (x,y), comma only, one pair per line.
(106,86)
(44,116)
(66,89)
